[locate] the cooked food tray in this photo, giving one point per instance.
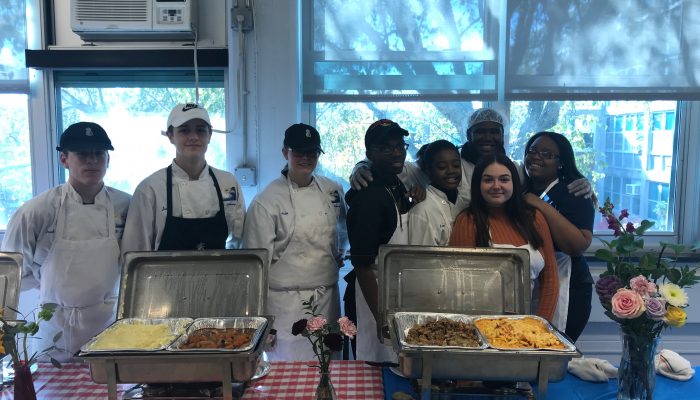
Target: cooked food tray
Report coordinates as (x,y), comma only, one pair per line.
(174,327)
(253,325)
(521,332)
(407,320)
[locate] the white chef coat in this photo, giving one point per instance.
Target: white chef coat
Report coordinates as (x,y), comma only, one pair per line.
(79,270)
(430,221)
(191,199)
(303,229)
(30,231)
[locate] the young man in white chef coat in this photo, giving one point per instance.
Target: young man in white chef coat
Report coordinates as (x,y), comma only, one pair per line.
(188,205)
(69,240)
(300,219)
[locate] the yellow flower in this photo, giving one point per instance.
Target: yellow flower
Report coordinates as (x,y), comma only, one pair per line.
(674,294)
(675,316)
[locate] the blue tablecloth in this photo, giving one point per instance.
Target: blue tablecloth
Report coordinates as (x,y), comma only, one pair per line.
(573,388)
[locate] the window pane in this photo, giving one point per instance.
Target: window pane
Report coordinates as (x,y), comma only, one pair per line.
(15,158)
(635,170)
(13,31)
(397,47)
(134,118)
(343,125)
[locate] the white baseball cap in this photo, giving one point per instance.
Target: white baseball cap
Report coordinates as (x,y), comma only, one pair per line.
(184,112)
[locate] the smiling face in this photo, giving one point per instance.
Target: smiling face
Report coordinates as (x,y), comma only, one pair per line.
(486,137)
(301,162)
(191,139)
(85,167)
(496,185)
(445,171)
(542,160)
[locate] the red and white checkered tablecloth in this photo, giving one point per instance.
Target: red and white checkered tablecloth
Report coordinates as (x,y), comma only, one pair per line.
(353,380)
(72,381)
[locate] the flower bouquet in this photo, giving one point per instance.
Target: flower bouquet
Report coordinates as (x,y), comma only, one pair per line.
(643,295)
(325,337)
(15,336)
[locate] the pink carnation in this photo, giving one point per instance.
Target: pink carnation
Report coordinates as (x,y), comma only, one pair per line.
(627,304)
(347,327)
(642,285)
(315,323)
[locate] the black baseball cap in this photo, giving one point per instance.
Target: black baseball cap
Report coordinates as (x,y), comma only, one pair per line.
(302,137)
(84,136)
(381,130)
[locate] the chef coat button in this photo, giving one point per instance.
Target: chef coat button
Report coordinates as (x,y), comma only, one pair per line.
(188,212)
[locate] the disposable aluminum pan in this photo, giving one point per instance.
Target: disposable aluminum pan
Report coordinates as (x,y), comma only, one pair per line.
(256,323)
(568,346)
(176,326)
(407,320)
(481,364)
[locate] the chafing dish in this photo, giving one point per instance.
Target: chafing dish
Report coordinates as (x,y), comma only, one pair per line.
(194,284)
(10,276)
(469,281)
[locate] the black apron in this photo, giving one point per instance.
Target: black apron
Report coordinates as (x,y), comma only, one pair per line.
(193,233)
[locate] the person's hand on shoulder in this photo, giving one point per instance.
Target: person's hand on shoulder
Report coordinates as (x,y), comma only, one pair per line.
(361,175)
(580,187)
(416,194)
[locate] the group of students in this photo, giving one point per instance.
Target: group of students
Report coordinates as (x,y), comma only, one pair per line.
(73,238)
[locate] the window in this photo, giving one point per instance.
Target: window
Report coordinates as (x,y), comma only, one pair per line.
(15,158)
(133,108)
(624,136)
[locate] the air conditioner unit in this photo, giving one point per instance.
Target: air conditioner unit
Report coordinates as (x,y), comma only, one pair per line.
(131,20)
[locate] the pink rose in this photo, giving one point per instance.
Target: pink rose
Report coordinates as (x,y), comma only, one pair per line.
(642,285)
(627,304)
(347,327)
(315,323)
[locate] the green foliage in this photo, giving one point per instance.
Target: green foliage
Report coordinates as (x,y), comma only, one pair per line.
(16,333)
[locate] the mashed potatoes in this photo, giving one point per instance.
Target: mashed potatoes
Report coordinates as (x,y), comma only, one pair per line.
(134,336)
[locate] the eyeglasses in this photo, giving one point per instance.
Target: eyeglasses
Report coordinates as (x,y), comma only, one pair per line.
(305,153)
(388,149)
(545,155)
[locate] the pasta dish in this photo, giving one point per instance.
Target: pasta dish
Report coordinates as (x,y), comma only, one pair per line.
(520,333)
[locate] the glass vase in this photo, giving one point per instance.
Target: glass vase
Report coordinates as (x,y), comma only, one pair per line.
(24,383)
(325,389)
(636,375)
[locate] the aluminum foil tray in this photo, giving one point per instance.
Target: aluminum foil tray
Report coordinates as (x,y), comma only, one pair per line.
(256,323)
(10,275)
(568,346)
(406,320)
(177,327)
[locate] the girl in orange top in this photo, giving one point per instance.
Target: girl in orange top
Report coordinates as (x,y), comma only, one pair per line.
(499,217)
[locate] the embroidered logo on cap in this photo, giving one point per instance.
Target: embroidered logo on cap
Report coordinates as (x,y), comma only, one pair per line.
(88,132)
(189,106)
(308,133)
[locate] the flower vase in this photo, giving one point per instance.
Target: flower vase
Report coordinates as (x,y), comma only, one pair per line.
(636,375)
(24,383)
(325,389)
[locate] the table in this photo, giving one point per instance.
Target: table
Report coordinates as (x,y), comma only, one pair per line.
(353,380)
(573,388)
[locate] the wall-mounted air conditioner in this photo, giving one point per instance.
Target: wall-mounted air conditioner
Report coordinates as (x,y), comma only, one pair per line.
(142,20)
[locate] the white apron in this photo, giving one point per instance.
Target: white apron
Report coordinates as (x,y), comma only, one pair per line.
(536,266)
(80,274)
(564,270)
(309,252)
(369,347)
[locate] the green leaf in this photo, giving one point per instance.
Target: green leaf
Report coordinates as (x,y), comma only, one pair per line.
(55,363)
(57,336)
(643,227)
(673,275)
(605,255)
